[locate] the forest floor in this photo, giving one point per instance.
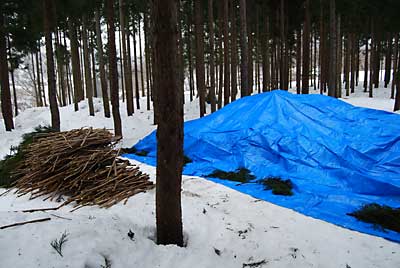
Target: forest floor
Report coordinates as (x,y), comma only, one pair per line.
(223,228)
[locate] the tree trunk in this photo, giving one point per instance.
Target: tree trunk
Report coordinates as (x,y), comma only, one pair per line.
(388,59)
(136,69)
(40,98)
(86,63)
(112,56)
(51,79)
(366,65)
(34,81)
(92,56)
(244,50)
(234,55)
(125,59)
(200,75)
(395,63)
(147,60)
(298,61)
(339,59)
(372,60)
(212,55)
(141,59)
(306,49)
(227,77)
(76,69)
(170,128)
(103,80)
(333,50)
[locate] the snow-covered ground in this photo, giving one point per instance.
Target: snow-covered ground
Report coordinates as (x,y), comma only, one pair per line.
(223,228)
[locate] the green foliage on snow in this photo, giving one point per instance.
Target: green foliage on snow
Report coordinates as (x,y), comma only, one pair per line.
(278,186)
(240,175)
(379,215)
(12,161)
(135,151)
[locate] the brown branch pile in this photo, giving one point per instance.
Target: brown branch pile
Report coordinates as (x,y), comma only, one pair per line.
(81,165)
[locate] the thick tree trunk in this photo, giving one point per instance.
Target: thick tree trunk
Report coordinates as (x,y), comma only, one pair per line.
(103,80)
(244,50)
(306,49)
(200,75)
(112,56)
(51,79)
(212,55)
(170,128)
(86,63)
(76,69)
(6,107)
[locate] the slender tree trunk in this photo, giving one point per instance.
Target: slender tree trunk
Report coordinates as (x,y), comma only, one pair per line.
(395,63)
(125,59)
(339,59)
(234,55)
(103,80)
(266,57)
(298,61)
(147,60)
(227,77)
(136,70)
(190,58)
(200,75)
(244,50)
(141,59)
(333,50)
(212,54)
(112,55)
(86,63)
(366,65)
(388,59)
(51,79)
(170,128)
(34,81)
(353,62)
(372,60)
(39,84)
(92,56)
(306,49)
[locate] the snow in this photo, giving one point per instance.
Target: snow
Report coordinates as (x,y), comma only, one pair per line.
(241,229)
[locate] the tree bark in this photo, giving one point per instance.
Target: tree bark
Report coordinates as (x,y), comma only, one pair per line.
(112,55)
(333,50)
(395,63)
(103,80)
(200,75)
(136,70)
(306,49)
(212,55)
(244,50)
(298,61)
(86,63)
(227,77)
(6,107)
(170,128)
(51,79)
(76,69)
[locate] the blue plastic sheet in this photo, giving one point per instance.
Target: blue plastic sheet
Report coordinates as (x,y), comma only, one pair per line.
(338,156)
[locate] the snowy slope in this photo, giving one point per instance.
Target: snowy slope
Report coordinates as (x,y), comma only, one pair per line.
(223,228)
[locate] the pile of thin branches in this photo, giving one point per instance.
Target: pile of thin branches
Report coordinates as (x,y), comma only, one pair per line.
(81,165)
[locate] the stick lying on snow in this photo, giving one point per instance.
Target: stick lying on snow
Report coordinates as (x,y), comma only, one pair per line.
(23,223)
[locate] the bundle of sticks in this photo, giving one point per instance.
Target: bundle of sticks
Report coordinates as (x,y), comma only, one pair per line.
(81,165)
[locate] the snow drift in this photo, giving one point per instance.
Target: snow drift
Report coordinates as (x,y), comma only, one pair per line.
(338,156)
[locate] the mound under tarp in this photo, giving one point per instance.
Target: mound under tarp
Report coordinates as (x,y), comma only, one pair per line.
(338,156)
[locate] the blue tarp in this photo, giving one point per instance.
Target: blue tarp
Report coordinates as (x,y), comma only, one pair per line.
(338,156)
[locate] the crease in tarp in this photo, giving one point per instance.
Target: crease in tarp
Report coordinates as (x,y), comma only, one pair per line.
(338,156)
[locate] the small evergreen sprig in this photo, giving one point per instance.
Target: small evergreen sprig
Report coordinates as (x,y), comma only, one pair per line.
(58,244)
